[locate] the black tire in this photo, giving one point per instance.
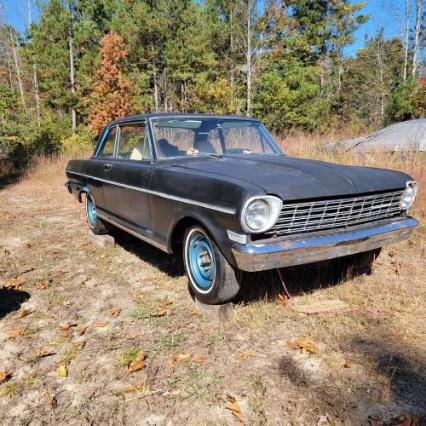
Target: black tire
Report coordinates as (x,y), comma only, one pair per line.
(96,225)
(225,280)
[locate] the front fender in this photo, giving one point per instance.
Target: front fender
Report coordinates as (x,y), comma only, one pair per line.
(215,225)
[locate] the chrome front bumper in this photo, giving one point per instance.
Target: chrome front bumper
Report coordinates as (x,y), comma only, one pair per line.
(283,251)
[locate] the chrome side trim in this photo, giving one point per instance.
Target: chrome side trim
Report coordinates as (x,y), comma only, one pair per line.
(282,252)
(159,194)
(134,233)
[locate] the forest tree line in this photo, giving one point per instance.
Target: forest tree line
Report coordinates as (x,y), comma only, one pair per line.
(81,63)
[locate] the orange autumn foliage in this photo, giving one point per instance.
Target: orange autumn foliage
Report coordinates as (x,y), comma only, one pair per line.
(110,97)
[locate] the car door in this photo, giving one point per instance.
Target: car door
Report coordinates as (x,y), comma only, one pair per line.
(128,177)
(99,164)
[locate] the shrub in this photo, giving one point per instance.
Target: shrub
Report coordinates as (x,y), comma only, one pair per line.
(79,143)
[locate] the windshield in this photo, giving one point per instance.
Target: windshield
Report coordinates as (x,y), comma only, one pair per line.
(179,137)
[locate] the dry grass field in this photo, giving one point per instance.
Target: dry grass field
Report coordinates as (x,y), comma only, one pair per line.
(111,336)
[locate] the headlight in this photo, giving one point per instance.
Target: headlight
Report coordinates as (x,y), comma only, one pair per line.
(260,213)
(409,194)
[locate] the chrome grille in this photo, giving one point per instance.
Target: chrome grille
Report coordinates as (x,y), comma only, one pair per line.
(338,213)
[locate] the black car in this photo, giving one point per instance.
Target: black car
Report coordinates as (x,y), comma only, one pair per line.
(219,189)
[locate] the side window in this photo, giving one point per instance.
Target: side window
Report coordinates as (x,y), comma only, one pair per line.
(107,149)
(134,142)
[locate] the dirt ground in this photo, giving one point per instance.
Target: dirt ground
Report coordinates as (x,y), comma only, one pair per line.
(110,336)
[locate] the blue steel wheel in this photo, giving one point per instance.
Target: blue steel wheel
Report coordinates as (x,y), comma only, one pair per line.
(91,211)
(200,259)
(212,279)
(95,224)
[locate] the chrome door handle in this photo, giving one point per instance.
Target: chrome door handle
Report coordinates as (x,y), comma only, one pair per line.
(107,166)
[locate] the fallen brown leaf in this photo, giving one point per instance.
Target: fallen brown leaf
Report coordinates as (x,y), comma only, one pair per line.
(67,325)
(160,312)
(183,356)
(80,344)
(43,353)
(235,409)
(22,313)
(5,376)
(41,285)
(170,363)
(244,356)
(281,300)
(100,324)
(26,270)
(137,364)
(15,332)
(166,302)
(15,283)
(81,330)
(305,344)
(196,313)
(201,359)
(347,364)
(132,388)
(115,312)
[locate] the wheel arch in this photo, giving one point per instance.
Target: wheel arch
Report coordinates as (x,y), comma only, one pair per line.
(178,231)
(215,232)
(82,190)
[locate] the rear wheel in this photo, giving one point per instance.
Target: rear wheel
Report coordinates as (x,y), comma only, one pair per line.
(211,278)
(95,224)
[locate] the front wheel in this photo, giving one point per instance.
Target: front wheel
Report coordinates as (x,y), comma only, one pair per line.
(211,278)
(95,224)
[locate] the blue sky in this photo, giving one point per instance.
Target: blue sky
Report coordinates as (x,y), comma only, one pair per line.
(386,14)
(383,13)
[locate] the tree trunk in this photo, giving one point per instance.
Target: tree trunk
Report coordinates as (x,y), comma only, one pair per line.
(248,58)
(382,96)
(36,91)
(416,36)
(35,78)
(72,70)
(406,37)
(18,71)
(155,92)
(231,47)
(9,71)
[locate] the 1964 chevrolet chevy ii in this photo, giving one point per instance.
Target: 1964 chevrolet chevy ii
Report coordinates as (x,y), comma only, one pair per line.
(220,190)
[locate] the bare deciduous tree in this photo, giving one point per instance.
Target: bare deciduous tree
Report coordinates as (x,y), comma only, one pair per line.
(34,67)
(16,60)
(72,67)
(419,7)
(406,37)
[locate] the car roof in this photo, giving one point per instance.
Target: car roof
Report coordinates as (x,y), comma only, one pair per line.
(139,117)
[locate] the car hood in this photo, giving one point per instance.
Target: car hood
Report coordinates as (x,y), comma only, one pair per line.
(296,179)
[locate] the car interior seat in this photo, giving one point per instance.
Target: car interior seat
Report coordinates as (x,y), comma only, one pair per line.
(137,151)
(202,144)
(166,149)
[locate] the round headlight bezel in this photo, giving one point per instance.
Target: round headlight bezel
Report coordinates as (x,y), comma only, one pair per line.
(409,195)
(274,205)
